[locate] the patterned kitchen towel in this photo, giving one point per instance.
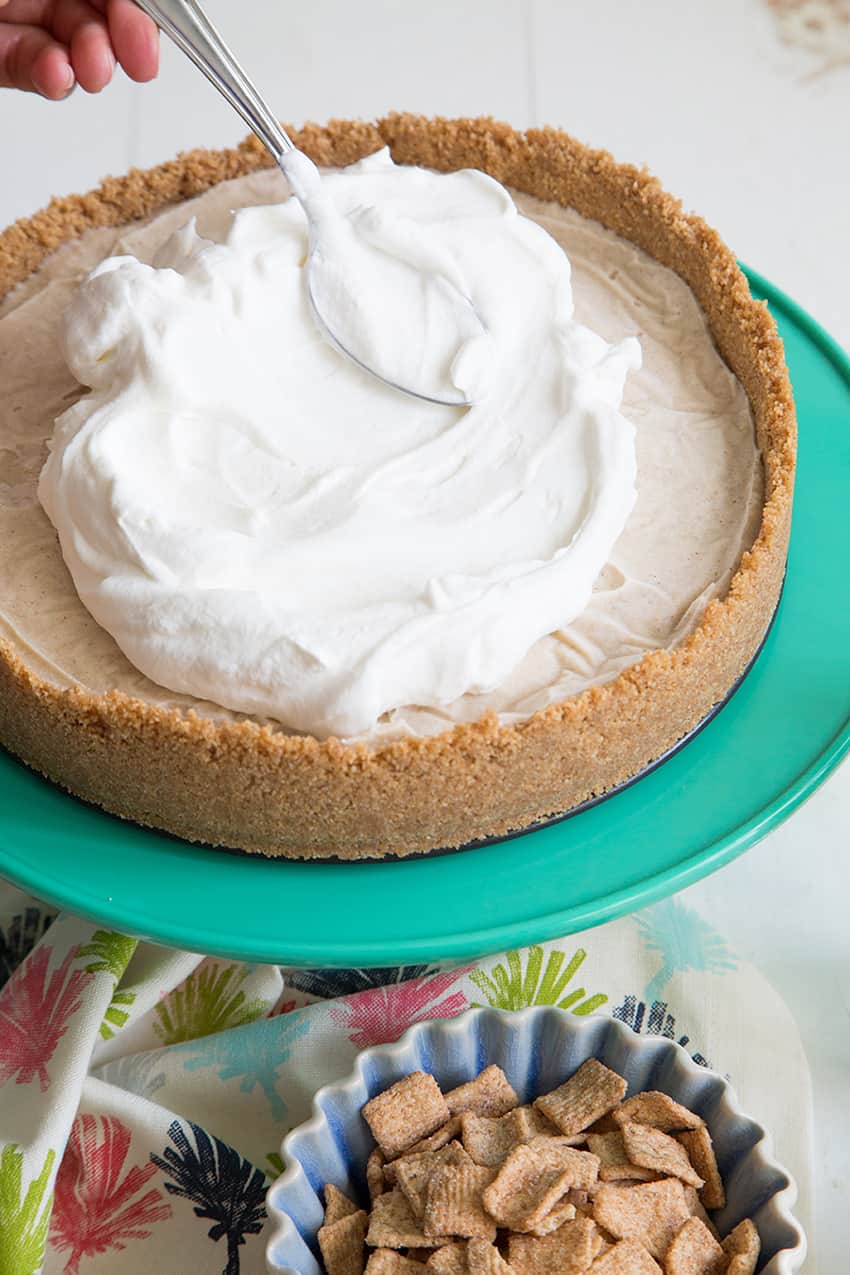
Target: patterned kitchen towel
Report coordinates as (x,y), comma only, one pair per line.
(144,1092)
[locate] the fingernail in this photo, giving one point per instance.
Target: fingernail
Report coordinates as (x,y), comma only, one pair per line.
(68,80)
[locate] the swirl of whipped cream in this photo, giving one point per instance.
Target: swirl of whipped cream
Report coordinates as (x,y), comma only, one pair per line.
(258,522)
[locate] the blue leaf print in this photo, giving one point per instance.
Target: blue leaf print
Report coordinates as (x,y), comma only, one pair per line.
(225,1189)
(20,937)
(658,1022)
(330,983)
(141,1074)
(254,1053)
(684,941)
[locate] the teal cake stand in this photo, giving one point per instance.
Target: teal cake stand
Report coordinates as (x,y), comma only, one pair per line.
(776,739)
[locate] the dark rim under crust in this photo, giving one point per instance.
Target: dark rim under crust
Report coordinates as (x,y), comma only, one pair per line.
(246,786)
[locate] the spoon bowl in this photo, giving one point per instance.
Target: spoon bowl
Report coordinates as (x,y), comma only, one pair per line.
(361,309)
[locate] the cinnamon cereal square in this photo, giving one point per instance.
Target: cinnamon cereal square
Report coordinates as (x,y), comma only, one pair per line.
(591,1092)
(409,1110)
(489,1094)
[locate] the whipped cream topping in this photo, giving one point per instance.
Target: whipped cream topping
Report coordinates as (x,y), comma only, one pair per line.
(699,474)
(388,286)
(259,523)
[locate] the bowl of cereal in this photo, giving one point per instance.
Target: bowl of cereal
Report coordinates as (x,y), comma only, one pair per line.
(525,1143)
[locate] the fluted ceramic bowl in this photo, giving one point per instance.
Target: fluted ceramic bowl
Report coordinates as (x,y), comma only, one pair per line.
(538,1049)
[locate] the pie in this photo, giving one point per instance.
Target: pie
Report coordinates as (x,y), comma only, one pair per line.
(231,781)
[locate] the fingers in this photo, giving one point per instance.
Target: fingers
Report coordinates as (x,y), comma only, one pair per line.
(135,39)
(31,13)
(85,33)
(32,60)
(48,45)
(92,57)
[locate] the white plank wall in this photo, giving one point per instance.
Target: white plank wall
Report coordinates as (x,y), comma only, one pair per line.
(748,130)
(746,127)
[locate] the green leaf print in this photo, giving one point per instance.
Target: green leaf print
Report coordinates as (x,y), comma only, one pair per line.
(510,987)
(23,1219)
(274,1159)
(210,1000)
(111,950)
(115,1017)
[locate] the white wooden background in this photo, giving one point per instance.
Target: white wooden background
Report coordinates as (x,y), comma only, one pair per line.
(741,107)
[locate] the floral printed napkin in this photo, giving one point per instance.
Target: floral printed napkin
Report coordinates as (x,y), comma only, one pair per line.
(144,1092)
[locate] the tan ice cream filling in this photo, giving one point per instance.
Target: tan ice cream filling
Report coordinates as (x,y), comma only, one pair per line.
(699,473)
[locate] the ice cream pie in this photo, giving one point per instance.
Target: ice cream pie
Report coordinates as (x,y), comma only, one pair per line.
(252,597)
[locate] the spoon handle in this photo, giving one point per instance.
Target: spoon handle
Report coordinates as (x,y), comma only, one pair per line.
(191,30)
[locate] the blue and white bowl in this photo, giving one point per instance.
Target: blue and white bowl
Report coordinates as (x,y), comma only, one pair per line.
(538,1049)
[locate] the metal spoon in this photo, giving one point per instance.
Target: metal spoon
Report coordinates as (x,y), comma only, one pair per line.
(191,30)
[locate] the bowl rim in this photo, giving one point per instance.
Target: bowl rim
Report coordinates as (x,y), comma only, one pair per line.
(788,1260)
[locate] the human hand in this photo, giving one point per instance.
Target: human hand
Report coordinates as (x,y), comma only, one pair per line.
(48,46)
